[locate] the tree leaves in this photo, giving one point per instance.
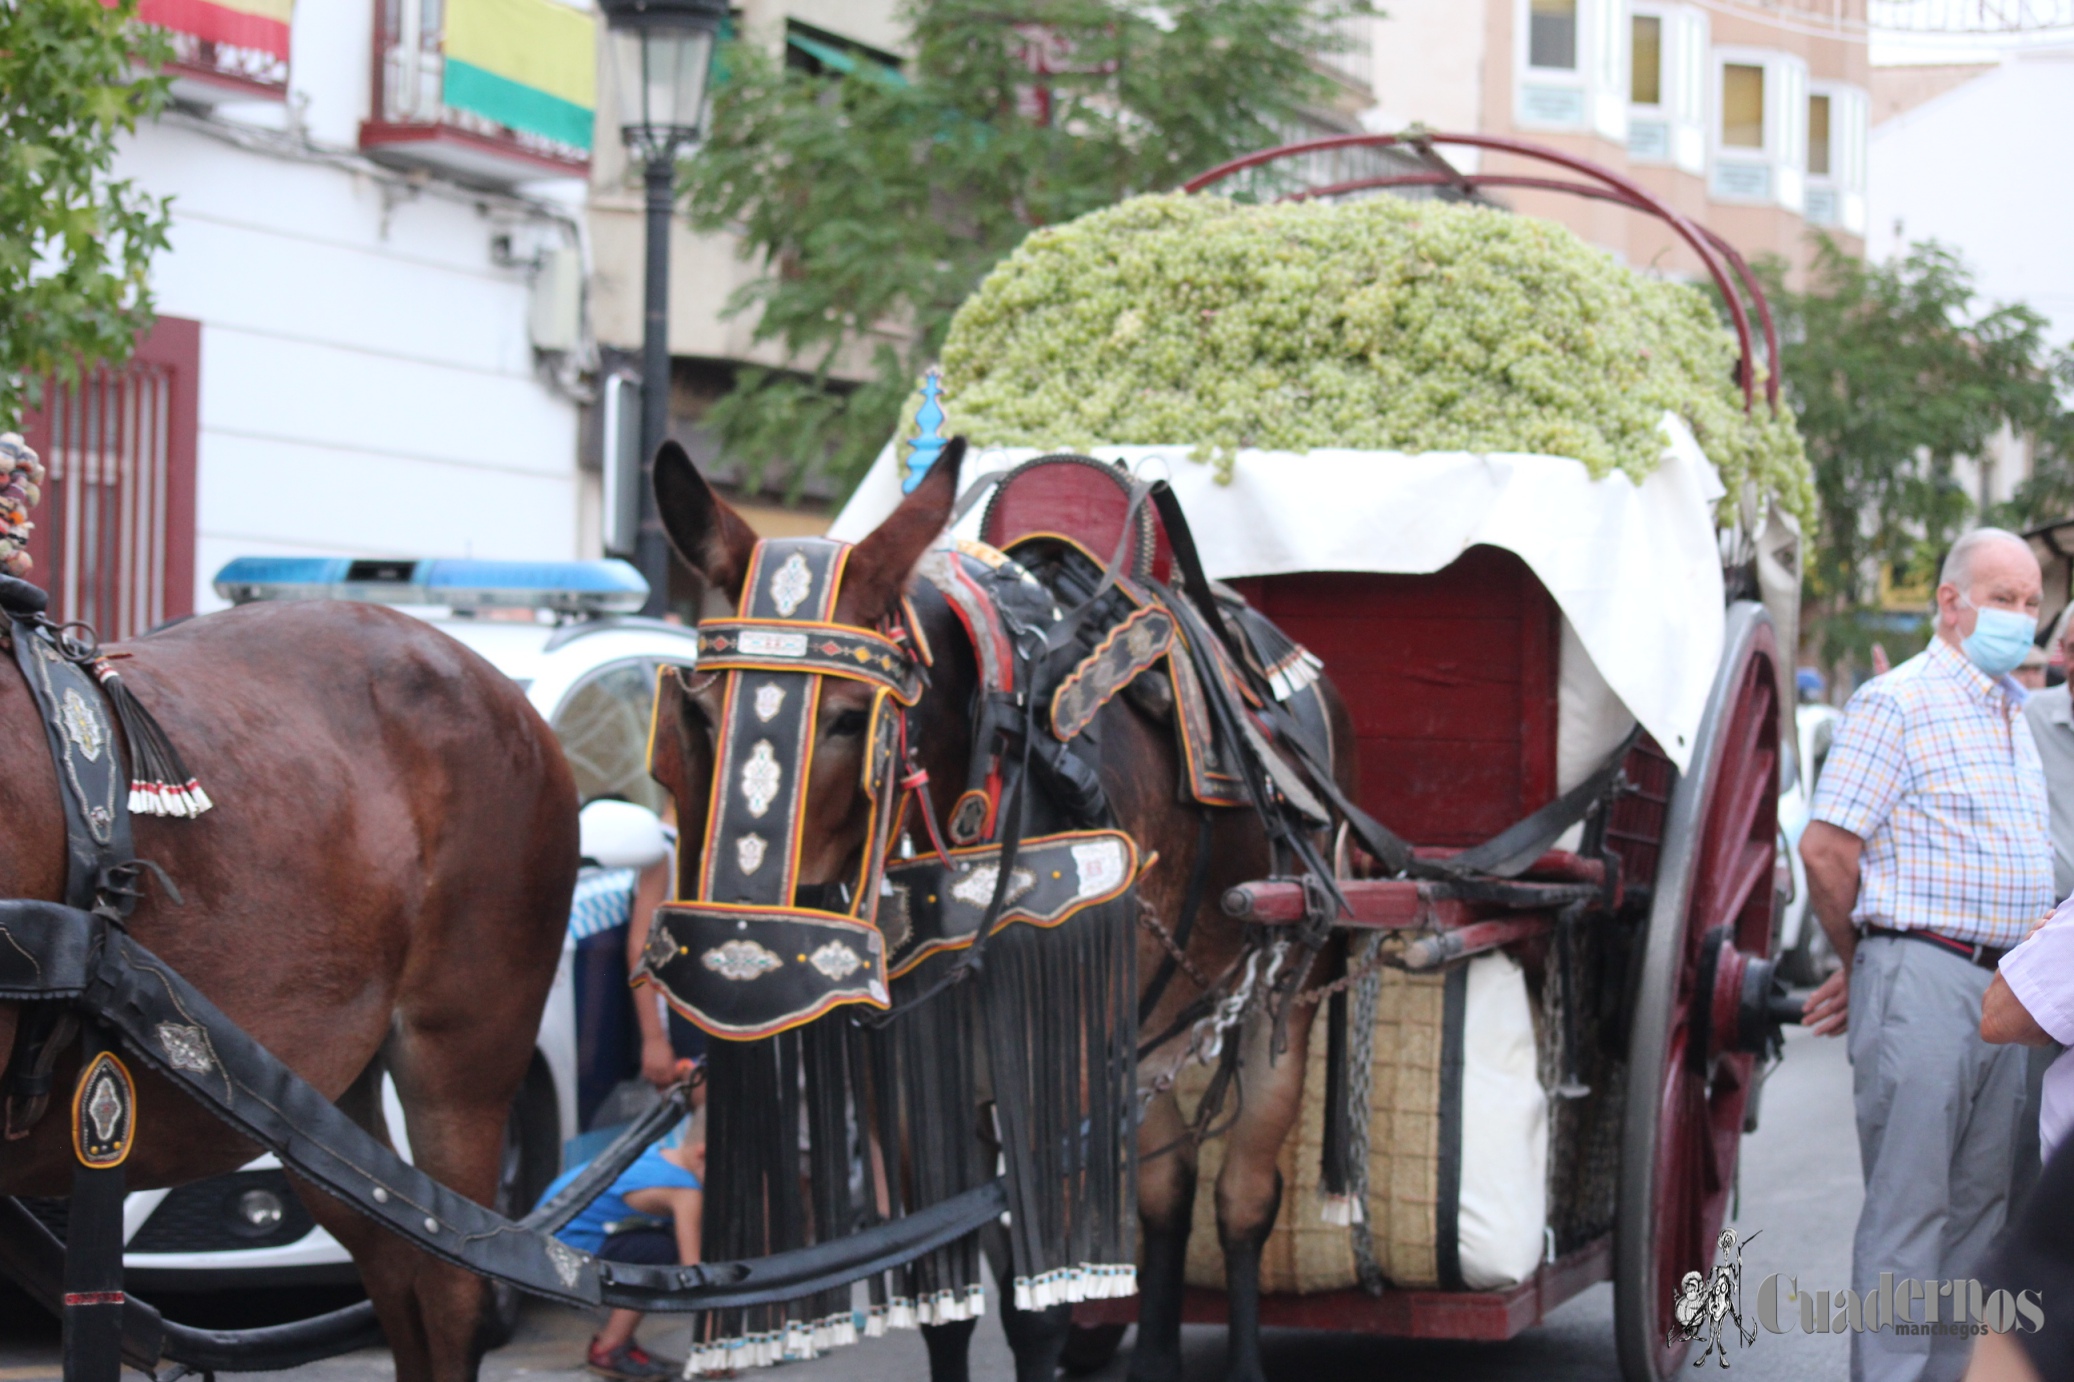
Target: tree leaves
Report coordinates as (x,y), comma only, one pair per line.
(75,242)
(876,203)
(1896,372)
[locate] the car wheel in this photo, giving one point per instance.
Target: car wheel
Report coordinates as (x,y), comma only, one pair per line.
(528,1161)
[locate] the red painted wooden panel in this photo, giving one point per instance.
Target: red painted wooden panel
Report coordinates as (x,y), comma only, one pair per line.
(1071,500)
(1450,679)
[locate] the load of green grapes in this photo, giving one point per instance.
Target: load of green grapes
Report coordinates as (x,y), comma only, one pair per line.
(1381,324)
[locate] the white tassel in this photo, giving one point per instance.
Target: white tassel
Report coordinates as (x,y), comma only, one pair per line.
(1336,1209)
(975,1301)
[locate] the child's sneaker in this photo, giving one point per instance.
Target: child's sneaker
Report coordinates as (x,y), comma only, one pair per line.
(630,1363)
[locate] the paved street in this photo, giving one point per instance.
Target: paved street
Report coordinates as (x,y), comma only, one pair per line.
(1799,1189)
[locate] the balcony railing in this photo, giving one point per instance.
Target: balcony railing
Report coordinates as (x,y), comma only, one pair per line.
(227,69)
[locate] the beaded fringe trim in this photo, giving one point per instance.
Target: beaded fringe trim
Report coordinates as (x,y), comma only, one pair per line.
(1088,1281)
(799,1341)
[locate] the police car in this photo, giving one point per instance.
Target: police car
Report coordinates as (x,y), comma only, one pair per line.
(568,634)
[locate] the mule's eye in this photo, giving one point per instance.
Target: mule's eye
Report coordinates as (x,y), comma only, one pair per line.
(848,725)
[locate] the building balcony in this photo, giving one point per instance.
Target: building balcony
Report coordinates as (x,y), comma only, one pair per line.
(231,51)
(520,114)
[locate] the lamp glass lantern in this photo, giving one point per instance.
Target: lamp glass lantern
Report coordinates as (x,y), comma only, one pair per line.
(662,52)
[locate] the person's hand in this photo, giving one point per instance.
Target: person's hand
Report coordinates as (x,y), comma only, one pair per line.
(658,1062)
(1828,1010)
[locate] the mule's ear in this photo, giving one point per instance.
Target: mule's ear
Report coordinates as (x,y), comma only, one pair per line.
(878,570)
(710,536)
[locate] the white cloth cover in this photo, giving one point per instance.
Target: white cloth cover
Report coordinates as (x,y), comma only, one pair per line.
(1635,568)
(1503,1204)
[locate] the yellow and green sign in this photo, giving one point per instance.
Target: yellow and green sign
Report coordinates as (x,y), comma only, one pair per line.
(531,65)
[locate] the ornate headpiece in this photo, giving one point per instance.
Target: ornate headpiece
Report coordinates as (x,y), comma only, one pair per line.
(742,958)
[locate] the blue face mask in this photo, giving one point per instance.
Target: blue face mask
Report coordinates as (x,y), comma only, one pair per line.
(1999,640)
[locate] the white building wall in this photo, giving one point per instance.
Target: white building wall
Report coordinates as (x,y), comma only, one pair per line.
(1985,169)
(1428,60)
(367,383)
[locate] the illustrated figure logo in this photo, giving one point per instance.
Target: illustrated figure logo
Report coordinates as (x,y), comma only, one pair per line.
(1705,1303)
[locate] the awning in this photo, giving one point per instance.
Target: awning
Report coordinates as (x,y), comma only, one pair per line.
(530,65)
(842,60)
(259,25)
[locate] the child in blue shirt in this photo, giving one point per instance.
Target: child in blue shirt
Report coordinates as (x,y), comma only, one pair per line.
(650,1215)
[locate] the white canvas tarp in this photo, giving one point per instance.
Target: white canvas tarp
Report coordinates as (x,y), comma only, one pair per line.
(1635,568)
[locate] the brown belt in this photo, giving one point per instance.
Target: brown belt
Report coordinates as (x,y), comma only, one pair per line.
(1986,956)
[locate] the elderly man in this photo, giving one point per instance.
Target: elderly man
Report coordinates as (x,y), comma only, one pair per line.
(1927,856)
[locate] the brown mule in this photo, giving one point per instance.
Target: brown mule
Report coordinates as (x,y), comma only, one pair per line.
(387,869)
(1139,770)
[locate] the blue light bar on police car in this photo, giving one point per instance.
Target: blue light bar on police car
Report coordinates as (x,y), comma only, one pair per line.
(569,587)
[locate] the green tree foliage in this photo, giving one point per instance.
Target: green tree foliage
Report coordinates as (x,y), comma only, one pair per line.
(1895,372)
(2047,493)
(876,202)
(75,242)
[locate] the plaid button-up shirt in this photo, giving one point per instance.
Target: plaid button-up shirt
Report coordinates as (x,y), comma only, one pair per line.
(1935,769)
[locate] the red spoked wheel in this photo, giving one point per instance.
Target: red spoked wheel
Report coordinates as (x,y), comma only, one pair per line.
(1699,1013)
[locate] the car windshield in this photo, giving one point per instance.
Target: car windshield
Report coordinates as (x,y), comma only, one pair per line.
(603,726)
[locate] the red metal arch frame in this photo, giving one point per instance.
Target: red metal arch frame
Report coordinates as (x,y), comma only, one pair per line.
(1727,268)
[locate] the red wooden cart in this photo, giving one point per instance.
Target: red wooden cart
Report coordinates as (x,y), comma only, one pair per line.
(1452,681)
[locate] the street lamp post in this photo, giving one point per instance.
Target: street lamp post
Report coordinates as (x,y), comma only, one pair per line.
(662,51)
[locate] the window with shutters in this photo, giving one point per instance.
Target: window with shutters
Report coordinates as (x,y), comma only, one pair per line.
(114,538)
(1571,66)
(1667,97)
(1837,119)
(1552,34)
(1646,60)
(1760,128)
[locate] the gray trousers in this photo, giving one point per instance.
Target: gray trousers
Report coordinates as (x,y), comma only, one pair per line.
(1938,1110)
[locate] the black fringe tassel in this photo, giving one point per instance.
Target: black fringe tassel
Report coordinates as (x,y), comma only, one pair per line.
(1061,1043)
(160,784)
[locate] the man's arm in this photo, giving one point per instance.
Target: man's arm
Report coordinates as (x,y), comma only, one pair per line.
(2005,1021)
(1831,854)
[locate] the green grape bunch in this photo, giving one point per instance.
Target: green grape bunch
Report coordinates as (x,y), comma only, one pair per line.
(1381,324)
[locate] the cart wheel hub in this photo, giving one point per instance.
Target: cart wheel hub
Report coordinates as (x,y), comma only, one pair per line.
(1744,1012)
